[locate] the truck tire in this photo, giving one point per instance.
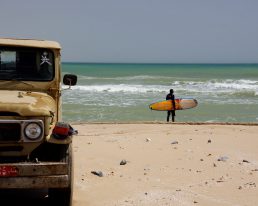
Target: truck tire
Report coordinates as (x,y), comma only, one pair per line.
(64,196)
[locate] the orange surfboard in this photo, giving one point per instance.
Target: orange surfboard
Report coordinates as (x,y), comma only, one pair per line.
(180,104)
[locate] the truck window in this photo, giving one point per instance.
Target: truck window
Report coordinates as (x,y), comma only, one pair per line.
(26,64)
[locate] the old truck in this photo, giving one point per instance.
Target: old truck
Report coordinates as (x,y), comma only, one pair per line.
(35,145)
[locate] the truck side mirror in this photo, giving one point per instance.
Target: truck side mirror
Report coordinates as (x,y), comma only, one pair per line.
(70,79)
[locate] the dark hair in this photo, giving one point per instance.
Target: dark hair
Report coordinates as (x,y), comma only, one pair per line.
(171,91)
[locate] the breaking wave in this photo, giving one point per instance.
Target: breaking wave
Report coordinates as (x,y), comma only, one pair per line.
(125,78)
(231,87)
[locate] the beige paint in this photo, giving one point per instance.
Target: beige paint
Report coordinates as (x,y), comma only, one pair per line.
(52,88)
(30,43)
(27,103)
(31,99)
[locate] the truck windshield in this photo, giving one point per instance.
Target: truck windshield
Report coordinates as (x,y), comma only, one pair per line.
(27,64)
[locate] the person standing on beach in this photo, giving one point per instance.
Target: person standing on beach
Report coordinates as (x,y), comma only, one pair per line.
(171,96)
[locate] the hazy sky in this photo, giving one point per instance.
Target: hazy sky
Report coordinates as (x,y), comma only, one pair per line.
(160,31)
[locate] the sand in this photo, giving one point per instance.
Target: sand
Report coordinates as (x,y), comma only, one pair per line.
(166,164)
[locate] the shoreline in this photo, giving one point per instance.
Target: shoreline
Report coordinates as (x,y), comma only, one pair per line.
(172,123)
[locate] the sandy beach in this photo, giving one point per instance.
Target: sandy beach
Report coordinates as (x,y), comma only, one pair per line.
(165,164)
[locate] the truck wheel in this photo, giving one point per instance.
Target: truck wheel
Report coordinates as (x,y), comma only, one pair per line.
(64,196)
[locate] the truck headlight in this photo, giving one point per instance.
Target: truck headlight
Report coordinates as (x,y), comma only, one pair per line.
(33,131)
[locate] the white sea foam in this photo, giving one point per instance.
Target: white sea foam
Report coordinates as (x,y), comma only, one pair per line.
(213,86)
(236,84)
(121,88)
(125,78)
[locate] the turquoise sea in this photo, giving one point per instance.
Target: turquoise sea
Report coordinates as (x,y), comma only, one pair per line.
(122,92)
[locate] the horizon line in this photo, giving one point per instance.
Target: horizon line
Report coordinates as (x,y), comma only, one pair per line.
(82,62)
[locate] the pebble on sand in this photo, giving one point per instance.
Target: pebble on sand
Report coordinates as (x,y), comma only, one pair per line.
(223,158)
(123,162)
(98,173)
(174,142)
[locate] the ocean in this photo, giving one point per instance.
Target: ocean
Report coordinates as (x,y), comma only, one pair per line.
(123,92)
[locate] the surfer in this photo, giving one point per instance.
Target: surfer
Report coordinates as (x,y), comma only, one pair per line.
(172,97)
